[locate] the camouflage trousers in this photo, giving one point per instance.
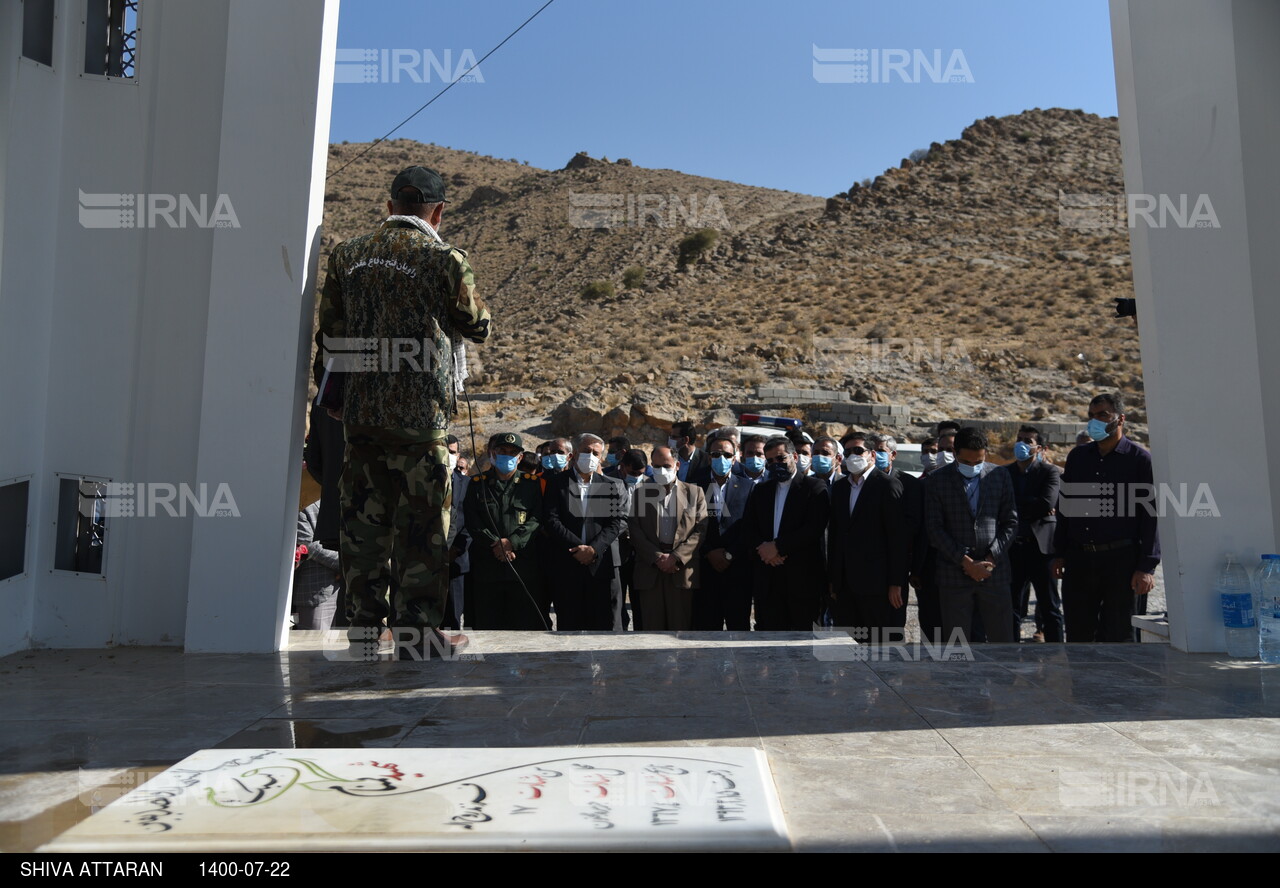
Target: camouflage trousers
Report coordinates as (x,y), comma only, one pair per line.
(396,497)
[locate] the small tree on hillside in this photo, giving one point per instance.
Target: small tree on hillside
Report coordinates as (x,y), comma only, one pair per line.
(633,277)
(692,246)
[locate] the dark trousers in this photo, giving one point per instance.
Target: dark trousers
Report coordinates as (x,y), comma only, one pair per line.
(454,603)
(859,609)
(782,605)
(723,600)
(1031,568)
(961,604)
(502,603)
(1097,595)
(928,608)
(625,616)
(586,603)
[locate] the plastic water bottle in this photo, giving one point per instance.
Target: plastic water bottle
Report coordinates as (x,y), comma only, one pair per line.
(1237,609)
(1268,601)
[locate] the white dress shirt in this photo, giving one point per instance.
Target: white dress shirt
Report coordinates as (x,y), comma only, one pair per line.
(779,502)
(855,488)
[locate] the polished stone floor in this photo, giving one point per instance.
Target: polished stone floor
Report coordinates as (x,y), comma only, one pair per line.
(1015,748)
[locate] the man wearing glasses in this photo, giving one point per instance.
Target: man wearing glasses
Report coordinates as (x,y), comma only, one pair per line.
(784,525)
(1106,545)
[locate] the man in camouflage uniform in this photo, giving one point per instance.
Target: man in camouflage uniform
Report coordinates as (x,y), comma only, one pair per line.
(395,306)
(503,511)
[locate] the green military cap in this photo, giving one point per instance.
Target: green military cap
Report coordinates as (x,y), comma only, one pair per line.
(506,438)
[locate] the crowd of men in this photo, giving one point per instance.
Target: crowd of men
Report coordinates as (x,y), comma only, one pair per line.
(777,533)
(795,531)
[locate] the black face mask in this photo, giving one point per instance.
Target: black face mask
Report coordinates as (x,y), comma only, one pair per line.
(779,472)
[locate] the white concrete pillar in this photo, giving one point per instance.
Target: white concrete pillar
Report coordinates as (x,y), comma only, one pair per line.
(275,133)
(1197,84)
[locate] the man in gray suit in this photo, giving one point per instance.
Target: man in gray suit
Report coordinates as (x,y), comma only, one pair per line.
(668,517)
(971,520)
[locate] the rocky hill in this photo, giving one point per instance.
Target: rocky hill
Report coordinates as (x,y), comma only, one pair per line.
(949,284)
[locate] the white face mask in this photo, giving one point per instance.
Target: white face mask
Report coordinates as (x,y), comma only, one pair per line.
(855,465)
(803,462)
(453,461)
(945,458)
(664,474)
(674,444)
(588,463)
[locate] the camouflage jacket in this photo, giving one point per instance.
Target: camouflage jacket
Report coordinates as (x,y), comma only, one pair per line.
(394,300)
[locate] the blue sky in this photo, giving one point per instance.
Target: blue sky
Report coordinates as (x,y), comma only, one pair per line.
(718,88)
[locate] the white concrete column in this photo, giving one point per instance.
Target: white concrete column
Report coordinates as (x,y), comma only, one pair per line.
(275,132)
(1197,85)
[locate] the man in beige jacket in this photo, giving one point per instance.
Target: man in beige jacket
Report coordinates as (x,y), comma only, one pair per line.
(668,517)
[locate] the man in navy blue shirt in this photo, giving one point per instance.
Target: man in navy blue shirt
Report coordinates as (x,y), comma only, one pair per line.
(1106,543)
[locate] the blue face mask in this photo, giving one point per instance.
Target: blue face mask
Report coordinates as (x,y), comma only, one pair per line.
(553,462)
(822,465)
(631,479)
(1097,429)
(611,460)
(779,472)
(882,460)
(721,465)
(505,464)
(969,471)
(754,464)
(1022,451)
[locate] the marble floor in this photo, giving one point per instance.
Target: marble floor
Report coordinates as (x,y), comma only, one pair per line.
(1004,748)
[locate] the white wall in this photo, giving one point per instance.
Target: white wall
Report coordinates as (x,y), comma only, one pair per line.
(163,354)
(28,224)
(1197,85)
(261,302)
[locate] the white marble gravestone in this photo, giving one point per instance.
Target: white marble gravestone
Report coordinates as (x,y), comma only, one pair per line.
(460,799)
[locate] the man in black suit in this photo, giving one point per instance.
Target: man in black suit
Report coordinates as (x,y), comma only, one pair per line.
(1035,491)
(825,465)
(584,512)
(971,519)
(724,597)
(695,466)
(1107,564)
(458,541)
(617,448)
(783,524)
(867,550)
(885,450)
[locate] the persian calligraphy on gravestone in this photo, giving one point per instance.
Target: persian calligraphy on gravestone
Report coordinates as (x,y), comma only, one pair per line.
(412,799)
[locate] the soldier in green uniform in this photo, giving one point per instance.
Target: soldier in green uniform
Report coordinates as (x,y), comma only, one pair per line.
(503,505)
(396,305)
